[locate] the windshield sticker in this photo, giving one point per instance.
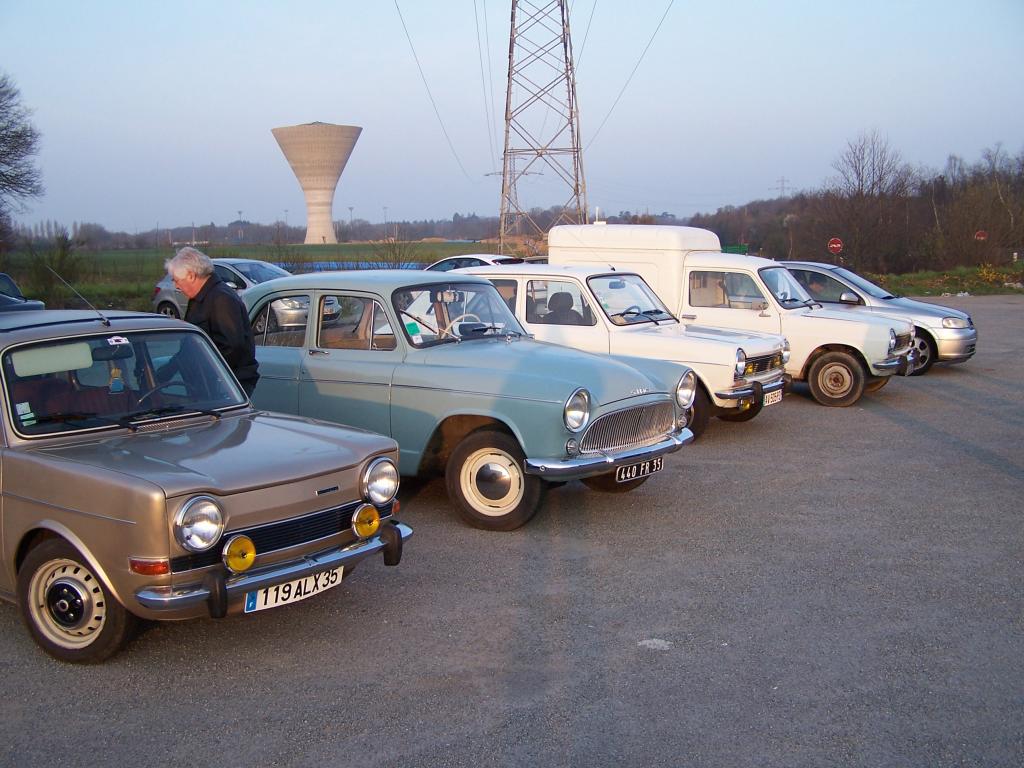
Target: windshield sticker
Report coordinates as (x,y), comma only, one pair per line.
(116,340)
(25,414)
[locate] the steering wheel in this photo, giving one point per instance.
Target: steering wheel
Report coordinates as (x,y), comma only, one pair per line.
(463,316)
(154,390)
(418,319)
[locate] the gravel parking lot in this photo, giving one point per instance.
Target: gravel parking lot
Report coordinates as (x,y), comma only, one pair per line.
(817,587)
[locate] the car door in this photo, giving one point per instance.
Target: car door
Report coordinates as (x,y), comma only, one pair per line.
(561,312)
(822,287)
(729,299)
(349,364)
(280,350)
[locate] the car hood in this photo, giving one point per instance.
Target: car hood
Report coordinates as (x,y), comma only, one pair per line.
(697,343)
(230,455)
(914,309)
(536,370)
(888,320)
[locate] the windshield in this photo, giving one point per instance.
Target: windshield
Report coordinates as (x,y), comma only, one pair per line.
(432,314)
(260,271)
(627,299)
(865,285)
(784,287)
(108,381)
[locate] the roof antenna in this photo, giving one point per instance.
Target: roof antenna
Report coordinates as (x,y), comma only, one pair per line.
(69,285)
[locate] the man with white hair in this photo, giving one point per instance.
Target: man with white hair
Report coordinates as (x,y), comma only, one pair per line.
(217,309)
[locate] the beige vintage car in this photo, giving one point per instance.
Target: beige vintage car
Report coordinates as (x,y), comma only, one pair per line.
(124,497)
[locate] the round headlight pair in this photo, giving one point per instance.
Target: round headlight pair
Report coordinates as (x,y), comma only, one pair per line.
(199,523)
(379,484)
(686,389)
(892,339)
(741,363)
(576,413)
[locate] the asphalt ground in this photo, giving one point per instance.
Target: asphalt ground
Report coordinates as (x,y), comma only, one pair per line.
(817,587)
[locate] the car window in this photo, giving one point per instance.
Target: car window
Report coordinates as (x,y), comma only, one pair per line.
(787,291)
(627,299)
(107,381)
(358,323)
(443,312)
(507,289)
(281,322)
(730,290)
(228,275)
(820,287)
(259,271)
(564,303)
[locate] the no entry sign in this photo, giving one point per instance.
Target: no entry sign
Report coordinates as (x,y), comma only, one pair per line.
(835,246)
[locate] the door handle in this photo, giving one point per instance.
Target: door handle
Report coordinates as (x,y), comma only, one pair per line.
(317,352)
(687,317)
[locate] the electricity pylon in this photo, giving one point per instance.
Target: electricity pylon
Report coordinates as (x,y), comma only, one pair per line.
(542,122)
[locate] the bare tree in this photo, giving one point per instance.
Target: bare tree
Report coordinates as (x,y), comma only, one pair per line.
(19,142)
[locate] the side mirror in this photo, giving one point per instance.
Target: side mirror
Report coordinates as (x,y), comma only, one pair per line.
(849,297)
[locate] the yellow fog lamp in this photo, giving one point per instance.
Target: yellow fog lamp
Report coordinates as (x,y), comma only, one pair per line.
(365,521)
(239,554)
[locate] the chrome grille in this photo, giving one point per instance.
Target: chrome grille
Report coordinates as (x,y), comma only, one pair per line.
(628,427)
(763,364)
(280,535)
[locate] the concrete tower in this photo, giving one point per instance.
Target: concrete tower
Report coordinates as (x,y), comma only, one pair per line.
(317,153)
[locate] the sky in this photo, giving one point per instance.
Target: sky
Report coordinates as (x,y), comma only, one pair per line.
(158,114)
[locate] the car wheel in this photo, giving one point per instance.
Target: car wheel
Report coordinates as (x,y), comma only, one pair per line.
(926,352)
(485,476)
(836,379)
(700,413)
(169,309)
(607,484)
(69,611)
(875,383)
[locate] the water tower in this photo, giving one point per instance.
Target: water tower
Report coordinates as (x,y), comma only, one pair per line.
(317,153)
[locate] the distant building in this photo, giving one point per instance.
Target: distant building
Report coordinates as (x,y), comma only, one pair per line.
(317,153)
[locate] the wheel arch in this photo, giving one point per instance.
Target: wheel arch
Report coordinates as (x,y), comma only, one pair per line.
(451,431)
(826,348)
(51,529)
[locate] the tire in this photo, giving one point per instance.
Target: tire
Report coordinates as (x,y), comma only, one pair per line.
(926,351)
(607,484)
(700,413)
(836,379)
(169,309)
(875,383)
(485,477)
(68,610)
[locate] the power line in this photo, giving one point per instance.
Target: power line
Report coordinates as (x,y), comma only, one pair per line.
(635,68)
(586,34)
(488,108)
(430,95)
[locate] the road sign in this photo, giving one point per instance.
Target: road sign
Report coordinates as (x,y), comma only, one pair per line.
(981,235)
(835,246)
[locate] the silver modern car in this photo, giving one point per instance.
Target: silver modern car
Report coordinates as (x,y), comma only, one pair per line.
(237,273)
(941,334)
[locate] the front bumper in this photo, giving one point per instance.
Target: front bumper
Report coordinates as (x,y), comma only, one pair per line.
(590,465)
(903,364)
(750,391)
(219,589)
(956,345)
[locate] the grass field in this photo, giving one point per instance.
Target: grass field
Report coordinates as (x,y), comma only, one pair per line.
(125,279)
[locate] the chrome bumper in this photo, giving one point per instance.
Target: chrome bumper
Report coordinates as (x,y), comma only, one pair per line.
(751,390)
(218,590)
(599,464)
(903,364)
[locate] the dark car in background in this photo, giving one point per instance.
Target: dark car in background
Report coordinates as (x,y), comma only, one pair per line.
(11,297)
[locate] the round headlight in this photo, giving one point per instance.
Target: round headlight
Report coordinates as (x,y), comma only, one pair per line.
(892,339)
(199,524)
(785,352)
(380,481)
(576,412)
(955,322)
(239,554)
(365,521)
(741,362)
(686,389)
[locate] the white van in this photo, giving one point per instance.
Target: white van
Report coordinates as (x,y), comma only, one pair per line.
(839,356)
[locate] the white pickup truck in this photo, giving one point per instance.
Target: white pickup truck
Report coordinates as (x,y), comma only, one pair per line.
(839,356)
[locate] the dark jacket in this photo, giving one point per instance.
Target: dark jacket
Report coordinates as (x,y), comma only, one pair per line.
(219,311)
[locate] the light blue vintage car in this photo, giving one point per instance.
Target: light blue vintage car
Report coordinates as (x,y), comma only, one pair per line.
(439,363)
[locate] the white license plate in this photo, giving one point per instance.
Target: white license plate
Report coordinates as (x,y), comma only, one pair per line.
(292,591)
(640,469)
(773,397)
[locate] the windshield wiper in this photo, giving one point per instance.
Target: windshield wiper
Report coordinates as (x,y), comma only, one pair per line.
(128,420)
